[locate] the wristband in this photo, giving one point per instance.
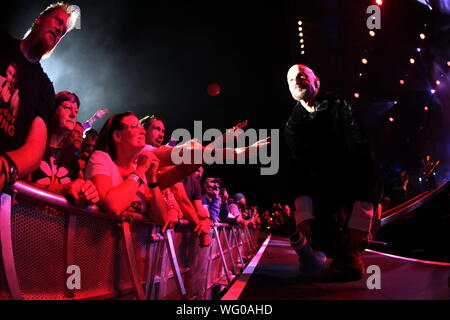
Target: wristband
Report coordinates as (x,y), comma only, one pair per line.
(152,185)
(134,176)
(12,172)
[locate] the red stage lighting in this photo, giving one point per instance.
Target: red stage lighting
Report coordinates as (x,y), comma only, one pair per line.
(425,108)
(402,82)
(213,89)
(379,2)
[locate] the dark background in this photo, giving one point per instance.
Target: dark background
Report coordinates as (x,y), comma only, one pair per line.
(158,57)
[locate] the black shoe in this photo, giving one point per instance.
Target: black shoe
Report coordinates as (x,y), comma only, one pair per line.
(342,270)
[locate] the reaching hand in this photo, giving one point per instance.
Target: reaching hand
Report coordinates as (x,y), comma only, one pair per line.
(236,131)
(261,143)
(240,125)
(191,145)
(252,151)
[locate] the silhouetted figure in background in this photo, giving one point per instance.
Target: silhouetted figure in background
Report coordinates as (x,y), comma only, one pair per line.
(429,171)
(405,185)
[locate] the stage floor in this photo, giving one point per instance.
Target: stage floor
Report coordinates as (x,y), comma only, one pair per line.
(274,277)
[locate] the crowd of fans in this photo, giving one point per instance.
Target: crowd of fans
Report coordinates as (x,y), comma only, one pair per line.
(123,168)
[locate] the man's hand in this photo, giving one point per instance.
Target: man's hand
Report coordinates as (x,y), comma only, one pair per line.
(305,229)
(261,143)
(81,192)
(144,161)
(224,196)
(153,169)
(236,130)
(172,220)
(242,222)
(215,192)
(357,239)
(252,151)
(203,227)
(240,125)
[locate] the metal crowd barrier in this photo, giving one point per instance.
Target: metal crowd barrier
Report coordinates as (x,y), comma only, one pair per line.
(43,238)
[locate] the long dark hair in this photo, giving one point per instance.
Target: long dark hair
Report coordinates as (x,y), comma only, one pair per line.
(105,141)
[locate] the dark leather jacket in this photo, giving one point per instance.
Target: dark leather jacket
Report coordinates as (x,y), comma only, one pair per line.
(332,158)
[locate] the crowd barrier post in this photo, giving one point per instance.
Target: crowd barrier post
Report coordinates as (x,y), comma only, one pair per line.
(7,248)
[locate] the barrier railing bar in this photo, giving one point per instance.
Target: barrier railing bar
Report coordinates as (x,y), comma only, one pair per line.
(229,250)
(222,256)
(233,230)
(71,224)
(7,248)
(131,257)
(174,263)
(153,264)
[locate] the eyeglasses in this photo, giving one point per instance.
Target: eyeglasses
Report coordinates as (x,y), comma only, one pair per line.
(136,125)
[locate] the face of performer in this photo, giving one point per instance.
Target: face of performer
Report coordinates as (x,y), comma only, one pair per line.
(132,135)
(75,137)
(11,76)
(155,133)
(428,158)
(48,30)
(302,82)
(66,115)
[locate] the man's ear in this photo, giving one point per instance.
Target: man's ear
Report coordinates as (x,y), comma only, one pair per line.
(317,83)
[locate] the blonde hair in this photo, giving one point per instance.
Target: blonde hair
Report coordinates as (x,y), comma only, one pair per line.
(74,16)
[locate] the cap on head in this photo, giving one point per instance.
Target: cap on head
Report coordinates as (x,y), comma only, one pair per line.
(213,180)
(238,196)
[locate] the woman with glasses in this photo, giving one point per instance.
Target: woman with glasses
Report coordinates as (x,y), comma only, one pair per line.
(124,176)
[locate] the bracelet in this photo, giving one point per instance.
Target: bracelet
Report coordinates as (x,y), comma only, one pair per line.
(138,174)
(152,185)
(12,174)
(134,176)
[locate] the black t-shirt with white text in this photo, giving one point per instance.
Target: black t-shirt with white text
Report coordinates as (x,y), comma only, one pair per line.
(25,93)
